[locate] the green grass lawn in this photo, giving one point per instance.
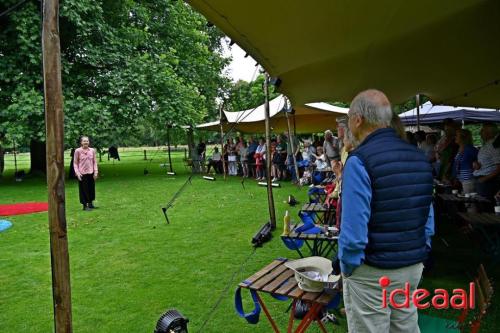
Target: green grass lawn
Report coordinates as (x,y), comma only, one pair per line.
(128,265)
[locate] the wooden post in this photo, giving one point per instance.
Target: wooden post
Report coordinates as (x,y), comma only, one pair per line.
(168,147)
(15,160)
(291,142)
(417,99)
(222,140)
(54,124)
(270,199)
(145,155)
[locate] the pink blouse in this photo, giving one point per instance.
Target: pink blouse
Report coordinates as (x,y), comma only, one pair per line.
(84,161)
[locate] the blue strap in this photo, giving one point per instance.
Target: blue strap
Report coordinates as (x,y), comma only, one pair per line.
(335,302)
(292,244)
(251,317)
(279,297)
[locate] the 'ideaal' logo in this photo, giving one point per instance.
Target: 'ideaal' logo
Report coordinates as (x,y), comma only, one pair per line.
(440,300)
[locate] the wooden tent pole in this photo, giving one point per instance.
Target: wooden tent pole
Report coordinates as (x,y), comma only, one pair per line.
(417,100)
(222,140)
(291,142)
(54,124)
(270,199)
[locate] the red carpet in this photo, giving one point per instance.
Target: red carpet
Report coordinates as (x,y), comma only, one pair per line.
(23,208)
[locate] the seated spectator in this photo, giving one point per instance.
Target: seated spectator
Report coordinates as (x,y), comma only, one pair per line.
(320,162)
(277,162)
(215,161)
(466,155)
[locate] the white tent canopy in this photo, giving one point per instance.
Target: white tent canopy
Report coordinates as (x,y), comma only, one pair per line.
(312,117)
(430,114)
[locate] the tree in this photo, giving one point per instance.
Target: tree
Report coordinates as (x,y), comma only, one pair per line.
(125,64)
(244,95)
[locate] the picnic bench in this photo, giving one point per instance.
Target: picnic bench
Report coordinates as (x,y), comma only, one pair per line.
(277,279)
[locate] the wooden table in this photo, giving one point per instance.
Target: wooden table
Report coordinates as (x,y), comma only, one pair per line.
(278,279)
(320,210)
(318,244)
(463,199)
(449,205)
(488,226)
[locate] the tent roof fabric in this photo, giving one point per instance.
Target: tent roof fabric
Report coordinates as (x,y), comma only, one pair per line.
(328,50)
(310,118)
(432,114)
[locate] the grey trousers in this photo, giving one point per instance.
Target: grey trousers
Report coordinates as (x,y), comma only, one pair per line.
(363,300)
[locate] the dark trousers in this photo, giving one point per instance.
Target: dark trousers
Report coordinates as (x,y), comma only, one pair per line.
(87,189)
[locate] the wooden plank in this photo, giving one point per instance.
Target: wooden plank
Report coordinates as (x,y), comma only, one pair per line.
(261,273)
(279,281)
(325,298)
(296,292)
(310,297)
(54,124)
(287,287)
(266,279)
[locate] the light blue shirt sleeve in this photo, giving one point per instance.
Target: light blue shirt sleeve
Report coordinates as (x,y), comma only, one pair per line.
(429,227)
(356,212)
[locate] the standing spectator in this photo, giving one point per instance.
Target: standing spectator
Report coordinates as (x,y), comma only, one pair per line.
(466,155)
(72,174)
(295,144)
(386,219)
(446,149)
(260,158)
(331,147)
(85,165)
(317,142)
(252,147)
(487,168)
(428,147)
(243,152)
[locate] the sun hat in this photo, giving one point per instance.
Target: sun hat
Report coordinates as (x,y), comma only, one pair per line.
(313,274)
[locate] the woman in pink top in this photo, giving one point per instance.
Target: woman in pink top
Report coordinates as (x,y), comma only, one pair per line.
(85,165)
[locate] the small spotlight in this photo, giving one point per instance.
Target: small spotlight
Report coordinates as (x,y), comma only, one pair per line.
(210,24)
(209,178)
(171,173)
(172,321)
(275,81)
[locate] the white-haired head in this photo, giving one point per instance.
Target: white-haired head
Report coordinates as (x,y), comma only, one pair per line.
(373,106)
(369,111)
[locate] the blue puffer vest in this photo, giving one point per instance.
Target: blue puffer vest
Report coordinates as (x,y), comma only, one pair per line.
(401,179)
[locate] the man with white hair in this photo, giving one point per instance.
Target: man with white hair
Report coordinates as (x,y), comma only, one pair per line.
(387,219)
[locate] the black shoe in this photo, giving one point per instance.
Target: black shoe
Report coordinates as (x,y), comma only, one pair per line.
(92,206)
(87,208)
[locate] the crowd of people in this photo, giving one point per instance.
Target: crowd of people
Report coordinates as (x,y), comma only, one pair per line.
(247,157)
(454,158)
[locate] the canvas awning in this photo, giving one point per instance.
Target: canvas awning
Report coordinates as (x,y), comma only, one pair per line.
(434,114)
(310,118)
(329,50)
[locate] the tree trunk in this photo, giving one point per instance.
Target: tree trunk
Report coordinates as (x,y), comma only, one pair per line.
(37,155)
